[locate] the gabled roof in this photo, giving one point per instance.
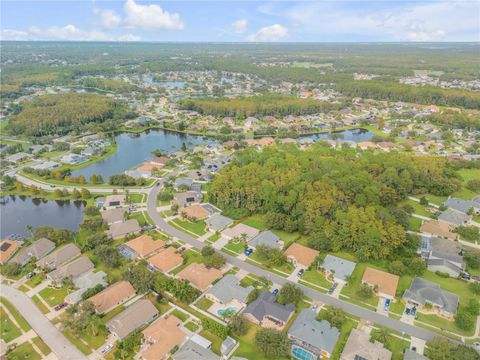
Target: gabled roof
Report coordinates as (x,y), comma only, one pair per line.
(386,282)
(166,259)
(121,229)
(302,254)
(132,318)
(358,346)
(7,248)
(145,245)
(454,217)
(164,334)
(218,222)
(73,269)
(114,294)
(59,257)
(191,350)
(37,250)
(266,238)
(196,211)
(266,305)
(439,228)
(319,334)
(341,267)
(228,288)
(423,291)
(111,216)
(460,205)
(240,229)
(199,275)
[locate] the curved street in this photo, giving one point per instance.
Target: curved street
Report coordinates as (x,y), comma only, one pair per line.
(59,344)
(315,295)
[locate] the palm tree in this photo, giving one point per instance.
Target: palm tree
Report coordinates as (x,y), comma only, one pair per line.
(382,335)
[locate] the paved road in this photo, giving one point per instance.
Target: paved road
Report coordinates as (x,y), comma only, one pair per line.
(59,344)
(315,295)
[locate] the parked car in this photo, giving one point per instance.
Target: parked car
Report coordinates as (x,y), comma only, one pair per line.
(387,305)
(248,252)
(301,271)
(182,249)
(315,307)
(332,289)
(30,274)
(107,348)
(275,292)
(61,306)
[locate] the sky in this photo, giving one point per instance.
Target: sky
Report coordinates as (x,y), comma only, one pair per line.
(241,21)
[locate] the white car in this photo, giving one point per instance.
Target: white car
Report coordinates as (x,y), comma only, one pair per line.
(107,348)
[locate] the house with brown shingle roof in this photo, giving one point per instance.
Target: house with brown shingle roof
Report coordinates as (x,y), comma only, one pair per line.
(166,260)
(114,295)
(199,275)
(72,270)
(301,255)
(440,229)
(59,257)
(36,250)
(124,228)
(161,337)
(141,247)
(196,211)
(385,283)
(7,248)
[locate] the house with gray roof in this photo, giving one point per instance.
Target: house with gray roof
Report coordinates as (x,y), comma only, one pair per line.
(132,318)
(186,198)
(59,257)
(442,255)
(462,206)
(454,217)
(46,165)
(317,338)
(227,345)
(217,222)
(339,268)
(182,182)
(266,238)
(413,355)
(84,282)
(35,250)
(124,228)
(17,157)
(72,270)
(227,291)
(423,292)
(359,347)
(191,350)
(266,311)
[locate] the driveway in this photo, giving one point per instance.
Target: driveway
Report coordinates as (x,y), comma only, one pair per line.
(59,344)
(313,294)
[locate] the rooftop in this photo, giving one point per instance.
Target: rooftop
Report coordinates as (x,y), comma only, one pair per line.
(358,346)
(132,318)
(166,259)
(73,269)
(218,222)
(238,230)
(228,288)
(302,254)
(145,245)
(163,334)
(266,304)
(386,282)
(266,238)
(59,257)
(199,275)
(422,291)
(113,295)
(342,268)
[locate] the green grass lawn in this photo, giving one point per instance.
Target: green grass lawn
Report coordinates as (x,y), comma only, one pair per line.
(286,267)
(255,221)
(54,297)
(469,174)
(112,313)
(394,344)
(161,306)
(419,209)
(204,303)
(414,224)
(41,345)
(236,248)
(136,198)
(77,342)
(23,352)
(315,277)
(35,280)
(255,281)
(464,194)
(354,284)
(191,256)
(139,217)
(434,199)
(247,347)
(216,341)
(213,238)
(40,304)
(179,314)
(16,315)
(198,228)
(443,323)
(191,326)
(95,341)
(8,330)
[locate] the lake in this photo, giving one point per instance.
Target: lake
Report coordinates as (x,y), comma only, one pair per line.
(20,211)
(133,149)
(356,135)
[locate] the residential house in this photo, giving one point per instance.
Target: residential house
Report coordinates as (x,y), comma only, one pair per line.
(440,229)
(384,283)
(300,255)
(227,345)
(217,222)
(266,238)
(227,293)
(182,182)
(311,336)
(132,318)
(337,267)
(422,292)
(359,347)
(114,215)
(7,249)
(83,283)
(187,198)
(46,165)
(114,200)
(454,217)
(195,211)
(239,231)
(59,257)
(122,229)
(141,247)
(114,295)
(199,275)
(72,270)
(413,355)
(442,255)
(159,161)
(35,250)
(73,159)
(191,350)
(15,158)
(166,260)
(463,206)
(267,312)
(161,337)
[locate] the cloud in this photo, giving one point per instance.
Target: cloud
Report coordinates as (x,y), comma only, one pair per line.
(274,32)
(65,33)
(108,18)
(151,17)
(240,26)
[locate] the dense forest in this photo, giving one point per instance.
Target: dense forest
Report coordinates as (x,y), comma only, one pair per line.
(455,120)
(270,104)
(383,90)
(343,200)
(61,113)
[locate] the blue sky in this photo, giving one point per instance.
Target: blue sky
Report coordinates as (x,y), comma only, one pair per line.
(226,21)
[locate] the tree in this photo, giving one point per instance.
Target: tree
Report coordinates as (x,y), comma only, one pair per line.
(474,287)
(335,316)
(140,277)
(216,261)
(238,325)
(253,295)
(365,291)
(290,294)
(93,224)
(96,240)
(11,269)
(91,211)
(439,348)
(382,335)
(85,194)
(207,251)
(464,319)
(76,194)
(272,343)
(397,267)
(271,256)
(108,255)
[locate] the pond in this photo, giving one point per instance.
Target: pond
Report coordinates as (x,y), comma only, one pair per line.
(356,135)
(133,149)
(18,212)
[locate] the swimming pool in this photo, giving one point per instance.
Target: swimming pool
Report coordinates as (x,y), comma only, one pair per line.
(229,309)
(302,354)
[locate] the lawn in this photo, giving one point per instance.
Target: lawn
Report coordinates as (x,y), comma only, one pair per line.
(216,341)
(24,351)
(354,284)
(191,326)
(41,345)
(191,256)
(442,323)
(256,221)
(139,217)
(136,198)
(434,199)
(35,280)
(198,228)
(161,306)
(286,267)
(204,303)
(236,248)
(179,314)
(213,238)
(8,330)
(247,348)
(469,174)
(40,304)
(316,278)
(414,224)
(394,344)
(77,342)
(54,297)
(95,341)
(418,209)
(464,194)
(16,315)
(112,313)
